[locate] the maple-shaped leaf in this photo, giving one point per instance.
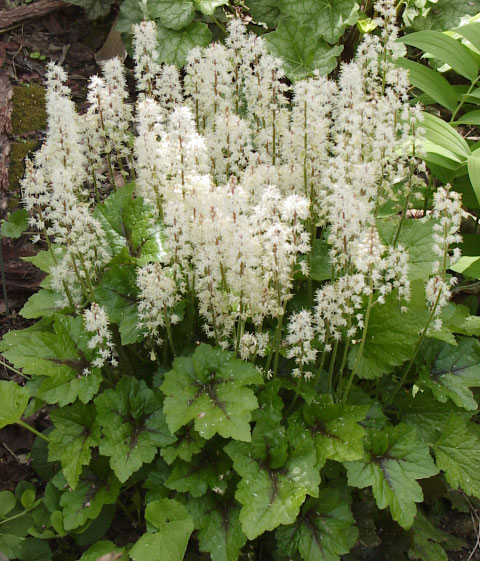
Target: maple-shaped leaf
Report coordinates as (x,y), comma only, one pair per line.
(394,461)
(61,358)
(210,389)
(323,531)
(75,433)
(452,370)
(219,530)
(133,425)
(275,480)
(327,18)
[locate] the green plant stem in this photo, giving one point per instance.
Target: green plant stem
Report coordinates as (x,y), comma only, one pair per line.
(4,288)
(128,514)
(295,397)
(460,105)
(169,334)
(19,515)
(332,366)
(5,365)
(218,24)
(31,429)
(344,361)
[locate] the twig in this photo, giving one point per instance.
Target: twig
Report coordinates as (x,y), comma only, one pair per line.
(25,13)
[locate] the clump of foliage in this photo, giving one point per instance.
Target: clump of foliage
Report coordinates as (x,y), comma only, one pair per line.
(245,340)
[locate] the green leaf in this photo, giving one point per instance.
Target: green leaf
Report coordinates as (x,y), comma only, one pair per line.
(14,399)
(71,440)
(391,336)
(452,371)
(187,444)
(417,238)
(446,49)
(321,267)
(334,429)
(430,82)
(473,166)
(94,8)
(457,453)
(301,50)
(175,14)
(61,359)
(329,18)
(134,11)
(7,500)
(173,46)
(272,496)
(43,303)
(169,543)
(103,547)
(265,11)
(324,530)
(16,224)
(209,388)
(396,460)
(133,425)
(441,133)
(427,540)
(86,501)
(470,118)
(446,14)
(468,265)
(117,292)
(219,529)
(208,7)
(43,260)
(471,32)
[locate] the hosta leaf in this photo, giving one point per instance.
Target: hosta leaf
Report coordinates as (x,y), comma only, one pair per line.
(219,529)
(452,371)
(329,18)
(334,429)
(323,531)
(173,46)
(301,50)
(416,236)
(209,388)
(395,460)
(86,501)
(174,526)
(272,496)
(391,336)
(43,303)
(429,541)
(14,399)
(265,11)
(75,433)
(175,14)
(208,7)
(60,357)
(133,425)
(457,453)
(117,293)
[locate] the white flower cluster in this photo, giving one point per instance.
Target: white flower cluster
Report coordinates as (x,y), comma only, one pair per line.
(95,321)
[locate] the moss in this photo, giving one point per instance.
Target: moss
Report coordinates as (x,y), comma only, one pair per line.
(28,109)
(18,152)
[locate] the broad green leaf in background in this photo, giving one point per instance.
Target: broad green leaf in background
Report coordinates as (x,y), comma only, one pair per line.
(175,14)
(429,542)
(329,18)
(473,165)
(173,526)
(468,265)
(416,236)
(470,118)
(391,335)
(117,293)
(43,303)
(457,453)
(446,49)
(471,32)
(272,496)
(61,358)
(439,132)
(188,444)
(265,11)
(324,531)
(173,46)
(94,8)
(75,433)
(395,460)
(7,502)
(219,529)
(103,547)
(446,14)
(86,501)
(16,224)
(208,7)
(301,50)
(430,82)
(451,371)
(134,11)
(133,425)
(14,399)
(209,388)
